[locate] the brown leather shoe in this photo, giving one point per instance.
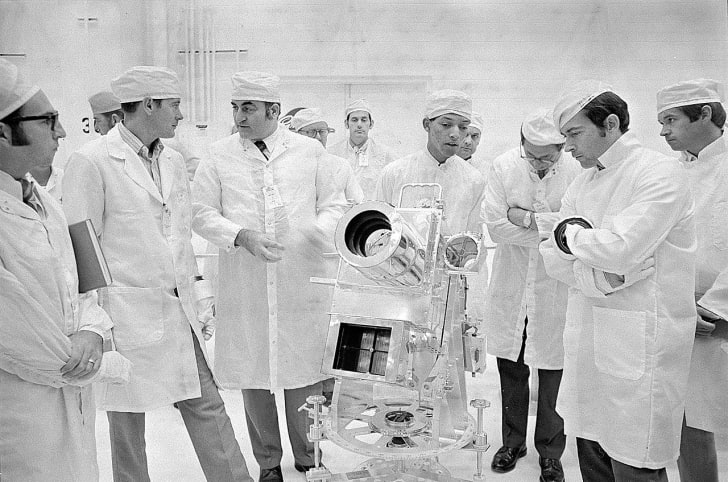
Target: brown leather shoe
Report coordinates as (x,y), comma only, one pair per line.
(505,458)
(551,470)
(271,475)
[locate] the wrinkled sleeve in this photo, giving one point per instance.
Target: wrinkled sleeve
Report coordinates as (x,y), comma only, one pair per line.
(83,192)
(32,346)
(716,298)
(207,218)
(556,266)
(385,185)
(92,317)
(495,213)
(330,200)
(475,217)
(657,203)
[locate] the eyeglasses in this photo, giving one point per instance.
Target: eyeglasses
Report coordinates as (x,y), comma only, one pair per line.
(548,159)
(317,132)
(50,119)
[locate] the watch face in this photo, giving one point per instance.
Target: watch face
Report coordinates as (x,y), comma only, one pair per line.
(527,219)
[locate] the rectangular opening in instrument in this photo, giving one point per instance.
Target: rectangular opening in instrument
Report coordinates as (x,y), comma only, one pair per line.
(362,349)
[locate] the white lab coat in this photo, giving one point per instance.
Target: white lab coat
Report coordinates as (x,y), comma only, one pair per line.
(145,237)
(462,188)
(346,180)
(627,355)
(366,161)
(519,284)
(271,320)
(46,425)
(707,406)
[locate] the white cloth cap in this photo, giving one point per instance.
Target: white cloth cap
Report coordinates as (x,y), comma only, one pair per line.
(573,100)
(689,92)
(146,81)
(448,102)
(306,117)
(260,86)
(14,90)
(538,128)
(476,120)
(359,104)
(103,102)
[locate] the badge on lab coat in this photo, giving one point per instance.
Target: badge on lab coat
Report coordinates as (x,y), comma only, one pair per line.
(541,207)
(272,196)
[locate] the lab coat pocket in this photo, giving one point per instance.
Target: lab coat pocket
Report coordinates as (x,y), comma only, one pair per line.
(619,342)
(137,315)
(719,221)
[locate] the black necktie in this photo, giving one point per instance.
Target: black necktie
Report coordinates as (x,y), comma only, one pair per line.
(263,148)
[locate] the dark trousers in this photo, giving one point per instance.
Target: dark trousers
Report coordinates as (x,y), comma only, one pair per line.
(698,461)
(261,416)
(549,436)
(597,466)
(207,423)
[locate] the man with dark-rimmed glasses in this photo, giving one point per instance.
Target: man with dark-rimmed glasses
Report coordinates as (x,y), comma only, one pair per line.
(525,309)
(50,336)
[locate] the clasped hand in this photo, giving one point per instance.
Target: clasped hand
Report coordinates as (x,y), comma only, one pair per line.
(259,245)
(86,352)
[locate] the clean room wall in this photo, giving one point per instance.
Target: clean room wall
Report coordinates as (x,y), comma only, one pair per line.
(511,56)
(70,57)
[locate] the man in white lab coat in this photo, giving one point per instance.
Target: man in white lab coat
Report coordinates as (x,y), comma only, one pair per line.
(137,194)
(365,155)
(265,197)
(50,336)
(525,309)
(469,146)
(311,123)
(446,120)
(631,315)
(693,118)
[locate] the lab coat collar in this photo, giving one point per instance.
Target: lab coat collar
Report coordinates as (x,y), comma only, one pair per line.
(712,150)
(11,196)
(448,162)
(11,186)
(134,166)
(274,142)
(355,149)
(620,150)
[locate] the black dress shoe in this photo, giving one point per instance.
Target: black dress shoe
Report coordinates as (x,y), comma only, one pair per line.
(306,468)
(551,470)
(271,475)
(505,458)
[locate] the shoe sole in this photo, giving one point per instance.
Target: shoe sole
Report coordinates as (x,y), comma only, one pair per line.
(505,471)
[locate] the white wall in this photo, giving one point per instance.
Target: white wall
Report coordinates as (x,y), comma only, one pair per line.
(511,56)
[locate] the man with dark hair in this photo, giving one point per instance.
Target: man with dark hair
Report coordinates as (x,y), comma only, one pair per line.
(446,120)
(366,156)
(525,309)
(692,119)
(136,192)
(50,336)
(626,248)
(266,197)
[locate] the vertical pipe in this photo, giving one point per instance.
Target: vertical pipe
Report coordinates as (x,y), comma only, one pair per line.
(210,55)
(188,70)
(193,45)
(213,70)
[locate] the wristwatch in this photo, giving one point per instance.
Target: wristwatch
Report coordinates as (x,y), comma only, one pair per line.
(527,219)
